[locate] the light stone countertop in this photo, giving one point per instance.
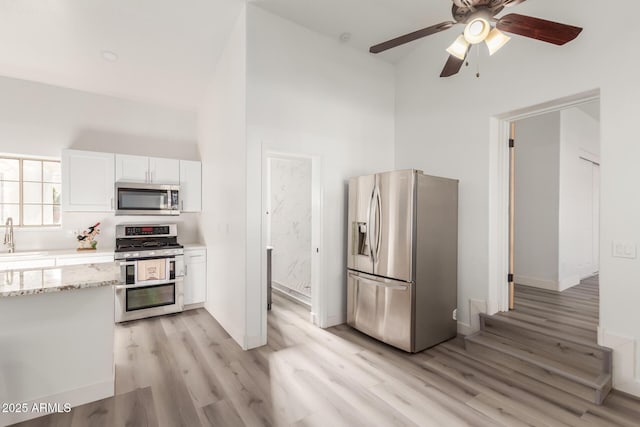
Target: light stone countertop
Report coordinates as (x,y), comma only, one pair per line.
(194,246)
(56,279)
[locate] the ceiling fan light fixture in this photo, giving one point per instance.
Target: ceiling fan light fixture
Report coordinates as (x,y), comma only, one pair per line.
(495,40)
(459,48)
(477,30)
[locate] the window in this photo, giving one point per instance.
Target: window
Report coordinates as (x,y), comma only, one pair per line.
(30,191)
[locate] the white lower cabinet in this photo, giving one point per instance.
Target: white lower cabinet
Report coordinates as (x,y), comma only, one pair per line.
(195,276)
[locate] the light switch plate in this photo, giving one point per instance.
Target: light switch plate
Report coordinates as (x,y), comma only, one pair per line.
(625,249)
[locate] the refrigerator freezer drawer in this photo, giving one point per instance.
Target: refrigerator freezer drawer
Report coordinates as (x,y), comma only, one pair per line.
(381,308)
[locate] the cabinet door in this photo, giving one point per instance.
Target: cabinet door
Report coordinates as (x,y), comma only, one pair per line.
(164,171)
(195,278)
(87,181)
(190,186)
(132,168)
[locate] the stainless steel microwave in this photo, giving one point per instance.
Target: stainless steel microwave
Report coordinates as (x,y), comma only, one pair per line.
(147,199)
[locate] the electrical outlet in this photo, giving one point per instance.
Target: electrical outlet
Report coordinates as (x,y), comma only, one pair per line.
(455,314)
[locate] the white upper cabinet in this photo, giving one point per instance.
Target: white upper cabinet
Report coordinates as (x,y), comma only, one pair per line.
(132,168)
(190,186)
(164,171)
(87,181)
(141,169)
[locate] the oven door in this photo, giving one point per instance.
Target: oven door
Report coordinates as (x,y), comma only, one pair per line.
(147,199)
(141,301)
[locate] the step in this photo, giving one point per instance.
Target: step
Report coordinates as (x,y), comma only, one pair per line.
(590,386)
(556,324)
(562,347)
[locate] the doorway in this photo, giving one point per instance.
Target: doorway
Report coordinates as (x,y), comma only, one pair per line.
(500,236)
(292,227)
(556,195)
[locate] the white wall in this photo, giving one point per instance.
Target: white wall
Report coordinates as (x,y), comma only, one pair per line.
(56,348)
(42,120)
(290,222)
(555,232)
(443,127)
(580,135)
(307,94)
(537,173)
(222,142)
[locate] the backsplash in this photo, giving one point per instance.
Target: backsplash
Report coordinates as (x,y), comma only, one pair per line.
(64,237)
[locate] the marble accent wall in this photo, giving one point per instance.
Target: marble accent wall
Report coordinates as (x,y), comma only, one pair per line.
(290,215)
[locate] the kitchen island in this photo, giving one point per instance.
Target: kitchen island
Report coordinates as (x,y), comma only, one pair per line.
(56,338)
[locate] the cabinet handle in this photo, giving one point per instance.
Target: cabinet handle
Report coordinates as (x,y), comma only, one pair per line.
(182,205)
(186,269)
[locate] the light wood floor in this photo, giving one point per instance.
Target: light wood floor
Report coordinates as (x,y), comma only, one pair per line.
(574,311)
(184,370)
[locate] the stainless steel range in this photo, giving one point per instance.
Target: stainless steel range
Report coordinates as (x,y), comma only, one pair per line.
(152,264)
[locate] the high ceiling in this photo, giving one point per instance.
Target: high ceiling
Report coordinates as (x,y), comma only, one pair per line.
(166,49)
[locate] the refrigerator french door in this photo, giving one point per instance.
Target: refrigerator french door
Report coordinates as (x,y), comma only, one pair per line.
(402,258)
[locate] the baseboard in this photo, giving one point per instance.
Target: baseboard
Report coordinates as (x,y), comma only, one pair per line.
(77,397)
(551,285)
(465,329)
(193,306)
(624,361)
(313,318)
(335,320)
(569,282)
(253,342)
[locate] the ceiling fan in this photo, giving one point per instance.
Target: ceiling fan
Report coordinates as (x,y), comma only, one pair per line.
(481,25)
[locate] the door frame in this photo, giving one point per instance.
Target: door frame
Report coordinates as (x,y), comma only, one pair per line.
(318,314)
(499,191)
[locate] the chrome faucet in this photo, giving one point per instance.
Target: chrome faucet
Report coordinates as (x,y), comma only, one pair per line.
(8,235)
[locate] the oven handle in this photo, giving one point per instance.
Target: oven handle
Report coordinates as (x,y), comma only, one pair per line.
(132,260)
(147,285)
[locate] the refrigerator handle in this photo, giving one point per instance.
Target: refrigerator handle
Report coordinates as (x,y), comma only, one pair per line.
(379,283)
(371,227)
(379,222)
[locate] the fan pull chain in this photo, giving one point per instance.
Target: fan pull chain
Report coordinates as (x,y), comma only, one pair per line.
(478,61)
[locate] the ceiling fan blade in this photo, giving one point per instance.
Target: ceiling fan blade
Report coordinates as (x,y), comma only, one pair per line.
(411,37)
(453,66)
(539,29)
(510,3)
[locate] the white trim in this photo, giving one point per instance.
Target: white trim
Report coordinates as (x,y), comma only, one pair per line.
(193,306)
(536,282)
(318,293)
(77,397)
(254,342)
(499,191)
(625,377)
(465,329)
(570,281)
(335,320)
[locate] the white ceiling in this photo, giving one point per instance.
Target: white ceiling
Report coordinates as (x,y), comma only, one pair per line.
(368,21)
(167,48)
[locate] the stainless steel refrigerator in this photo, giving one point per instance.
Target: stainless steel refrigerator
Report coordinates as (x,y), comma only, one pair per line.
(402,258)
